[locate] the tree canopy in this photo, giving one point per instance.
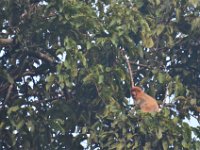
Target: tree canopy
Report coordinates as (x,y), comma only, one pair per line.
(64,79)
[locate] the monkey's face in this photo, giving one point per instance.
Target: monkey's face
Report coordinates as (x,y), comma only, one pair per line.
(135,91)
(134,94)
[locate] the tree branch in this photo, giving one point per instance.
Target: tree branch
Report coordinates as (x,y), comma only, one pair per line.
(9,92)
(141,65)
(42,56)
(129,66)
(130,70)
(5,41)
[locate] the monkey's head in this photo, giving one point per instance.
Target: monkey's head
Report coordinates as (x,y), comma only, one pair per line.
(135,91)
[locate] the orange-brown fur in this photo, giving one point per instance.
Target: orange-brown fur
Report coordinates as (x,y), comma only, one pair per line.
(144,101)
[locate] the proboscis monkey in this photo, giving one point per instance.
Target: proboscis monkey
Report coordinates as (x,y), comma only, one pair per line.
(144,101)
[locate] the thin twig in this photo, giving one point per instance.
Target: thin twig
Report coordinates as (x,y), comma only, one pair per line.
(9,92)
(140,65)
(130,70)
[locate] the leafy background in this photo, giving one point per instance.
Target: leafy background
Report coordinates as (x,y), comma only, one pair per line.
(64,80)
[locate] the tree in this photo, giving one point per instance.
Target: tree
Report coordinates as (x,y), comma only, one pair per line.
(64,78)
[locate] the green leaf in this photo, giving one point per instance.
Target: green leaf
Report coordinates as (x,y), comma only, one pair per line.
(4,74)
(166,112)
(89,78)
(136,144)
(168,77)
(74,72)
(196,23)
(13,139)
(157,2)
(170,41)
(179,89)
(121,74)
(197,144)
(170,30)
(60,51)
(108,69)
(88,45)
(193,102)
(129,136)
(67,64)
(30,126)
(119,146)
(13,109)
(161,77)
(159,132)
(178,13)
(140,52)
(57,125)
(165,145)
(186,135)
(101,41)
(139,3)
(82,59)
(160,29)
(19,124)
(50,79)
(2,124)
(155,71)
(84,130)
(175,120)
(194,2)
(114,40)
(101,79)
(148,42)
(147,146)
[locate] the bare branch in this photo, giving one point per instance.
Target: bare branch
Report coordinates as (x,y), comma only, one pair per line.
(130,70)
(42,56)
(5,41)
(129,66)
(9,92)
(141,65)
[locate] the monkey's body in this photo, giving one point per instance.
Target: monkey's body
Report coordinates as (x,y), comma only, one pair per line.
(144,101)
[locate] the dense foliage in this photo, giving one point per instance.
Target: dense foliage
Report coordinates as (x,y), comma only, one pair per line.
(64,79)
